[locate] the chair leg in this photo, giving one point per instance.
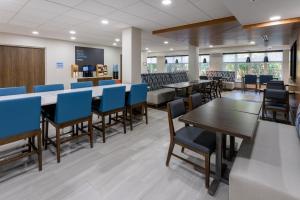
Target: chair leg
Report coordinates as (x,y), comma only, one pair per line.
(146,112)
(124,120)
(58,145)
(43,130)
(207,170)
(46,134)
(274,115)
(171,147)
(130,117)
(103,128)
(182,149)
(90,130)
(29,144)
(39,151)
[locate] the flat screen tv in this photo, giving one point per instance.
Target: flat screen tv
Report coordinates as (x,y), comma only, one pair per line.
(293,60)
(86,56)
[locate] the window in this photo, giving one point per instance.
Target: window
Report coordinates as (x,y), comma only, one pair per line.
(237,62)
(177,63)
(203,64)
(151,64)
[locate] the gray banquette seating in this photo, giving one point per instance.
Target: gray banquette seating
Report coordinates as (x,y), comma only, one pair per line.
(227,76)
(269,167)
(157,94)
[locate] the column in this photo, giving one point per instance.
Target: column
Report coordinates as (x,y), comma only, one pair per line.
(161,64)
(131,55)
(193,63)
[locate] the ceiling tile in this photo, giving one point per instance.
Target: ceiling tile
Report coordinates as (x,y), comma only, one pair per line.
(95,7)
(5,16)
(118,3)
(12,5)
(71,3)
(213,8)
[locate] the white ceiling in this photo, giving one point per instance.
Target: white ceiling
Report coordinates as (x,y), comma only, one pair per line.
(54,18)
(255,11)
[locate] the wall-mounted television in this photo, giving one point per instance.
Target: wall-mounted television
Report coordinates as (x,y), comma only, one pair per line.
(293,61)
(86,56)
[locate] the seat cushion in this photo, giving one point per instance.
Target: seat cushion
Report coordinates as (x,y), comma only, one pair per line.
(160,96)
(196,138)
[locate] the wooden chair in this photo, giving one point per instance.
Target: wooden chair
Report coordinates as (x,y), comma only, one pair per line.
(195,100)
(192,138)
(277,85)
(137,98)
(276,101)
(20,120)
(250,79)
(111,102)
(71,109)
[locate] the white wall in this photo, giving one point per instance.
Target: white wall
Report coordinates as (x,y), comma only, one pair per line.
(59,51)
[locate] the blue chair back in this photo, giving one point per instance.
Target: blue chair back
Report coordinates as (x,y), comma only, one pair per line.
(112,99)
(19,116)
(72,106)
(12,91)
(106,82)
(250,79)
(138,94)
(265,78)
(48,88)
(81,84)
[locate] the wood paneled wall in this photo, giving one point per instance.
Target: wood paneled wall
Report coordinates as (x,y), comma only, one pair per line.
(22,66)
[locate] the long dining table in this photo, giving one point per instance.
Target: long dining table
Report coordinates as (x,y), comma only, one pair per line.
(48,98)
(224,116)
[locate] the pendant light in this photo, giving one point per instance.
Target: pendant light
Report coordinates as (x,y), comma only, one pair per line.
(248,60)
(266,59)
(204,60)
(166,61)
(176,61)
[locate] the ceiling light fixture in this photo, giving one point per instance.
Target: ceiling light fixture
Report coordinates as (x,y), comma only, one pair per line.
(104,21)
(149,51)
(166,2)
(252,42)
(146,48)
(35,32)
(73,38)
(211,46)
(275,18)
(117,39)
(72,32)
(171,49)
(166,42)
(115,44)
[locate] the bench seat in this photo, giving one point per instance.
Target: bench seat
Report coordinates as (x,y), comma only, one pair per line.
(269,167)
(160,96)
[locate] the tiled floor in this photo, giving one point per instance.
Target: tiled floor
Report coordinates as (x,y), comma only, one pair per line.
(130,166)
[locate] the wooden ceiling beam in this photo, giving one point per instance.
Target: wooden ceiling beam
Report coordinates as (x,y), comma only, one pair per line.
(274,23)
(196,25)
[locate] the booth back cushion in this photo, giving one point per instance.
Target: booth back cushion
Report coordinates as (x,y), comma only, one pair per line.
(227,75)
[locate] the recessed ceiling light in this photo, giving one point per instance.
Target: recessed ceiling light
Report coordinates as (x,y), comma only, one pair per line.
(115,44)
(104,21)
(117,39)
(146,48)
(252,42)
(171,49)
(166,42)
(73,38)
(149,51)
(35,32)
(72,32)
(211,46)
(166,2)
(275,18)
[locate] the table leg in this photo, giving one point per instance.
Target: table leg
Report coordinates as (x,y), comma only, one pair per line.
(214,185)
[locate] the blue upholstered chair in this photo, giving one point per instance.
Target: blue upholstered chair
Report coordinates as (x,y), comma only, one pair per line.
(71,109)
(111,102)
(137,98)
(250,80)
(195,100)
(19,120)
(81,84)
(277,85)
(264,79)
(106,82)
(203,77)
(48,88)
(276,101)
(192,138)
(12,91)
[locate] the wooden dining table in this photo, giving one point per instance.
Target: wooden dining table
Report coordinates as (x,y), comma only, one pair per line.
(50,97)
(186,85)
(224,116)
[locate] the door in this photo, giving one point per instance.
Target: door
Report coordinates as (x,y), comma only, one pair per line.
(22,66)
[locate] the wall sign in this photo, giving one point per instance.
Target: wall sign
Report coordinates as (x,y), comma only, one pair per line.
(59,65)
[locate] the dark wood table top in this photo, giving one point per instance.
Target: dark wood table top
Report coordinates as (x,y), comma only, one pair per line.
(215,119)
(182,85)
(236,105)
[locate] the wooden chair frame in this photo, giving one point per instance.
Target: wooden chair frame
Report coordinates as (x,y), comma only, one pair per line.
(32,148)
(129,109)
(58,135)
